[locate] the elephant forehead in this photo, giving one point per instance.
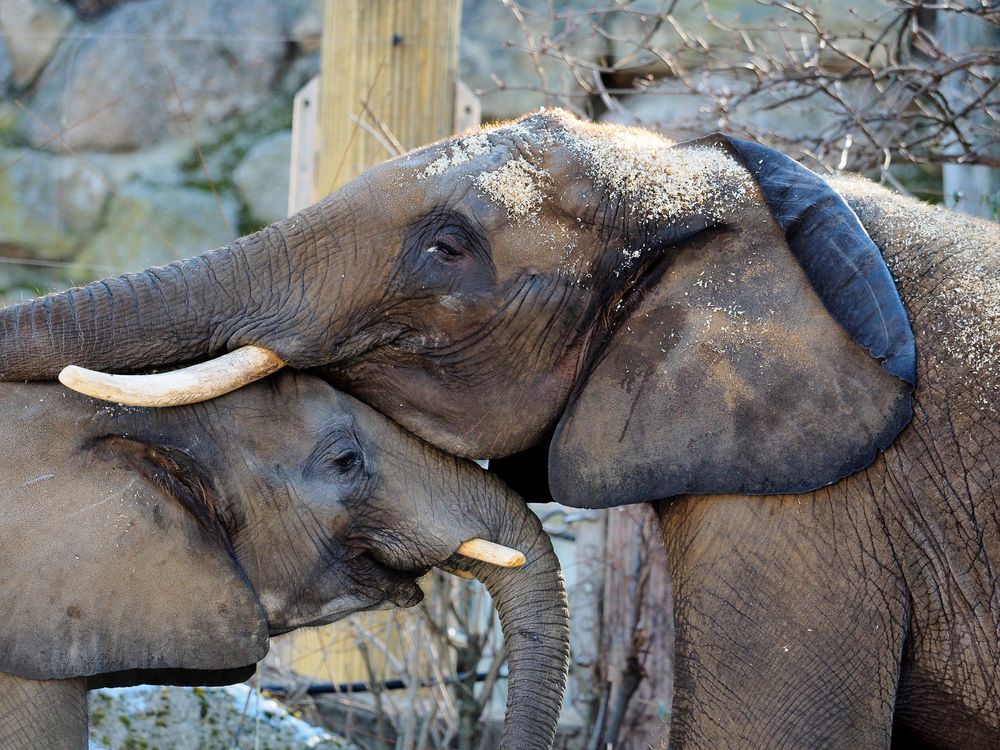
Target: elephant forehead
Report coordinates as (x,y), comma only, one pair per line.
(659,181)
(517,185)
(503,173)
(516,166)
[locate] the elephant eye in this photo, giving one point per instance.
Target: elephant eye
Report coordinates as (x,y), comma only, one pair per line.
(445,247)
(346,461)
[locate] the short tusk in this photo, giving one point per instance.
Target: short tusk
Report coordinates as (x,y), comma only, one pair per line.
(189,385)
(458,572)
(496,554)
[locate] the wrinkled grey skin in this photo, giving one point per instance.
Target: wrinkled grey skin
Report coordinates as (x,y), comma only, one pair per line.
(865,614)
(167,545)
(853,615)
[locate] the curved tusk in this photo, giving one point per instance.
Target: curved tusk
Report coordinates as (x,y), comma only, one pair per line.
(458,572)
(189,385)
(495,554)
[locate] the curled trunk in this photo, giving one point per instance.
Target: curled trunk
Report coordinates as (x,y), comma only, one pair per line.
(531,604)
(467,503)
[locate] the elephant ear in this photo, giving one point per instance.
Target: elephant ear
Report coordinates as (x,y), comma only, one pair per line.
(111,564)
(771,354)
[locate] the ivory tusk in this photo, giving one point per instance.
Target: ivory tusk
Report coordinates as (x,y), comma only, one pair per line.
(189,385)
(496,554)
(458,572)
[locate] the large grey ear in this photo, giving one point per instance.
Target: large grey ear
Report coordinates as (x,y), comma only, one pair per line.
(772,355)
(103,570)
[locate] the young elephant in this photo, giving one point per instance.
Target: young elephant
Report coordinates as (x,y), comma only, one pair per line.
(141,545)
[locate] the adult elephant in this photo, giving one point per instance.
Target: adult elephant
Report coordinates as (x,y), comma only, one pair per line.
(707,323)
(167,546)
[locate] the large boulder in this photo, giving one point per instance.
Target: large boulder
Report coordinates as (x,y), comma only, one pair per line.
(33,30)
(6,66)
(154,225)
(151,716)
(152,70)
(493,60)
(48,204)
(262,178)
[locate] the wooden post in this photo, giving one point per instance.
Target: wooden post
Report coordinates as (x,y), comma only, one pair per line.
(387,82)
(302,171)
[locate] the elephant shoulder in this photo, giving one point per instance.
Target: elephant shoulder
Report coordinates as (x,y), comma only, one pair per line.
(906,228)
(946,266)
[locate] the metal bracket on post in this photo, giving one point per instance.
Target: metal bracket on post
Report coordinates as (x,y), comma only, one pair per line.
(305,137)
(305,127)
(468,108)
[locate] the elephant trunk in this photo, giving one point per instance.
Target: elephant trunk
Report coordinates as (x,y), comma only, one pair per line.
(179,312)
(531,603)
(252,291)
(449,501)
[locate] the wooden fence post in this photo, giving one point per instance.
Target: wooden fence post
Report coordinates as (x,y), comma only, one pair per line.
(387,82)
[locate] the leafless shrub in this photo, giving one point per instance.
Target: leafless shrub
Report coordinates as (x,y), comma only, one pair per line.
(910,81)
(431,673)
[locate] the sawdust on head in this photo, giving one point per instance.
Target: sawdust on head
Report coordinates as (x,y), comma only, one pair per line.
(517,185)
(947,268)
(457,153)
(656,180)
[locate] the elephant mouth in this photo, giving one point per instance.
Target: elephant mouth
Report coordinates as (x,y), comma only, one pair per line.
(402,588)
(370,585)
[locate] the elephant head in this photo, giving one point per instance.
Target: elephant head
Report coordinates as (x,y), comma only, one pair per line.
(701,317)
(144,545)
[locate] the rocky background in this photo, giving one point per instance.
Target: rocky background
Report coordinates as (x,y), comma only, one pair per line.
(135,132)
(155,717)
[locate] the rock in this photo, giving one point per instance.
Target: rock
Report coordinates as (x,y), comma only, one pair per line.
(299,73)
(9,113)
(306,24)
(93,8)
(668,108)
(139,73)
(158,165)
(207,718)
(48,204)
(6,67)
(33,30)
(262,177)
(484,57)
(768,25)
(153,225)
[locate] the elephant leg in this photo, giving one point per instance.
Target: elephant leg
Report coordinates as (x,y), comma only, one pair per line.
(42,713)
(790,622)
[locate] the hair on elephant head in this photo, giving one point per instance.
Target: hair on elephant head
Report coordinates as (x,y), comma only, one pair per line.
(707,316)
(144,545)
